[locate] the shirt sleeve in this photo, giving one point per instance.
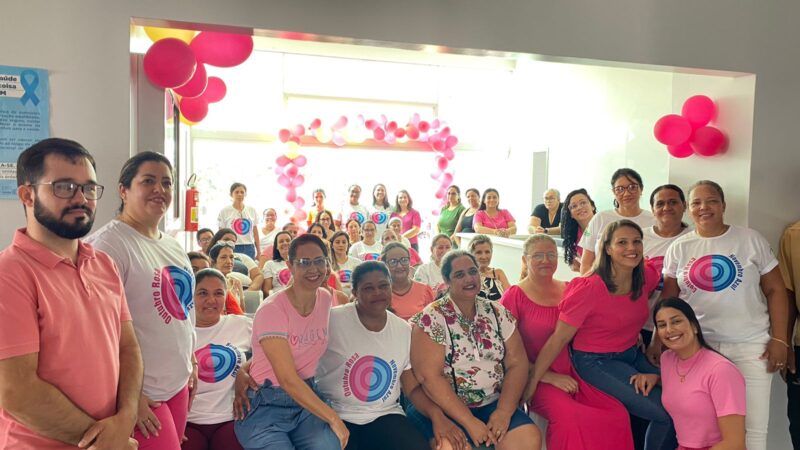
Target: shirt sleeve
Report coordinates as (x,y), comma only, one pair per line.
(670,268)
(589,239)
(477,218)
(727,389)
(786,260)
(432,323)
(508,217)
(124,311)
(765,258)
(421,274)
(578,301)
(540,211)
(19,320)
(268,270)
(509,301)
(651,278)
(507,321)
(416,219)
(271,321)
(221,219)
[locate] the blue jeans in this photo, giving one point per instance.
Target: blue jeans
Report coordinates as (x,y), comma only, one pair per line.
(611,373)
(276,422)
(247,249)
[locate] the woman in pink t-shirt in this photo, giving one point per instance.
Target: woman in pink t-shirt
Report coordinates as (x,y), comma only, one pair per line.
(408,296)
(703,391)
(290,335)
(602,313)
(490,219)
(409,216)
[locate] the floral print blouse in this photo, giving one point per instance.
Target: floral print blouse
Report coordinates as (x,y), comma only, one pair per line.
(474,349)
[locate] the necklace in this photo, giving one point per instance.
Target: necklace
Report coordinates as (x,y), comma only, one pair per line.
(682,376)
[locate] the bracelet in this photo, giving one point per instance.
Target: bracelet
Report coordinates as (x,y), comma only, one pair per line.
(780,340)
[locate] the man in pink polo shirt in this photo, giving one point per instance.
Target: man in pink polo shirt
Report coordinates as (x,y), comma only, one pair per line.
(70,366)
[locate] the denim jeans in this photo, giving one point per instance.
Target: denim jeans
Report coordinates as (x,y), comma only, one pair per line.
(611,373)
(247,249)
(276,422)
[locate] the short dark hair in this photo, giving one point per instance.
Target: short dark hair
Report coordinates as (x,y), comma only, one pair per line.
(204,230)
(197,255)
(306,239)
(218,236)
(210,272)
(629,174)
(447,262)
(672,187)
(131,168)
(30,163)
(237,185)
(367,267)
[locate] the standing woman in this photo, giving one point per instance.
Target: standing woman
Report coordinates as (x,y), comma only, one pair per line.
(602,314)
(290,335)
(269,230)
(342,264)
(627,187)
(243,220)
(411,220)
(493,280)
(704,392)
(668,204)
(575,217)
(490,219)
(381,209)
(732,280)
(159,285)
(277,275)
(451,212)
(353,229)
(317,207)
(408,296)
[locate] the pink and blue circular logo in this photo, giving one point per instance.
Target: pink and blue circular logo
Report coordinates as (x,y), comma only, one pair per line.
(372,257)
(358,217)
(345,275)
(176,291)
(712,273)
(285,276)
(370,378)
(380,218)
(215,362)
(242,227)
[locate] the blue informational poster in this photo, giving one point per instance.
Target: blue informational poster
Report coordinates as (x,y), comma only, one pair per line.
(24,119)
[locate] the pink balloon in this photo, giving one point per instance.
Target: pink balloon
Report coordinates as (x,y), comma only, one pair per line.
(169,63)
(672,129)
(284,181)
(371,124)
(412,132)
(196,86)
(445,132)
(215,90)
(379,134)
(339,140)
(435,212)
(299,161)
(291,171)
(299,130)
(436,175)
(449,154)
(442,163)
(391,126)
(298,181)
(424,127)
(298,215)
(435,124)
(708,141)
(299,202)
(341,123)
(222,49)
(316,123)
(438,145)
(681,150)
(390,138)
(295,139)
(278,170)
(414,119)
(399,132)
(284,135)
(451,141)
(194,109)
(282,160)
(439,194)
(291,195)
(447,180)
(698,110)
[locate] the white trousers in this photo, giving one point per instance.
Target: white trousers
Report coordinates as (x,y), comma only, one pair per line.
(758,384)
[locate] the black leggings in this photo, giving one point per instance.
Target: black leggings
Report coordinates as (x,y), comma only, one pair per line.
(389,432)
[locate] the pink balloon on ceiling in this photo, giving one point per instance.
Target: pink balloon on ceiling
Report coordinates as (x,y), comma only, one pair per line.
(699,110)
(215,90)
(196,86)
(672,129)
(169,63)
(222,49)
(194,109)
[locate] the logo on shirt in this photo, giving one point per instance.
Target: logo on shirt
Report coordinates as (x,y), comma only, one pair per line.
(713,273)
(345,275)
(242,226)
(369,378)
(172,293)
(217,362)
(358,217)
(372,257)
(380,218)
(284,277)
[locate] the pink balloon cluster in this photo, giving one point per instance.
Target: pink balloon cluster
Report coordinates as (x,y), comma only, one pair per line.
(289,176)
(170,63)
(689,133)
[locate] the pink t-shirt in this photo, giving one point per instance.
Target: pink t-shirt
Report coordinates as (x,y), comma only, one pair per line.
(605,322)
(307,336)
(501,220)
(713,387)
(415,300)
(411,219)
(71,316)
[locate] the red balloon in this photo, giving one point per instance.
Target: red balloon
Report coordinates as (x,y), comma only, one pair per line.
(438,145)
(424,127)
(412,132)
(371,124)
(298,181)
(672,129)
(707,141)
(215,90)
(391,126)
(439,194)
(300,161)
(699,110)
(194,109)
(284,135)
(442,163)
(282,160)
(449,154)
(445,132)
(400,132)
(681,150)
(291,195)
(291,171)
(447,180)
(316,123)
(299,130)
(196,86)
(379,134)
(284,181)
(169,63)
(222,49)
(451,141)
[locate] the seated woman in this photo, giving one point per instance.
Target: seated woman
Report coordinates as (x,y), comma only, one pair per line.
(222,259)
(369,248)
(408,296)
(220,349)
(469,358)
(430,273)
(703,391)
(396,225)
(390,236)
(579,416)
(242,263)
(366,340)
(325,218)
(546,217)
(290,334)
(204,236)
(353,228)
(268,232)
(490,219)
(467,216)
(493,280)
(199,261)
(575,217)
(341,263)
(277,275)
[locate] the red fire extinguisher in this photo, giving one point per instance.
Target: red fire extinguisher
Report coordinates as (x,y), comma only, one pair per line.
(192,203)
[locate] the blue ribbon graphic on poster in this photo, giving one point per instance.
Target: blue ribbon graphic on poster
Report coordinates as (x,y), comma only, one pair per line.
(24,119)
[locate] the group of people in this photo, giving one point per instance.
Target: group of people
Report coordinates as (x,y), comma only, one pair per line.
(360,346)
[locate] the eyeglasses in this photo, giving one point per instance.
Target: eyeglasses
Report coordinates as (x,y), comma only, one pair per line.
(305,263)
(395,261)
(540,256)
(630,188)
(67,189)
(204,240)
(550,198)
(580,204)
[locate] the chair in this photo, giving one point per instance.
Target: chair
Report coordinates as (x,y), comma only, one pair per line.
(252,300)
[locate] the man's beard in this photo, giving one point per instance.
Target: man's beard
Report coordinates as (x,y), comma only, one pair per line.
(62,228)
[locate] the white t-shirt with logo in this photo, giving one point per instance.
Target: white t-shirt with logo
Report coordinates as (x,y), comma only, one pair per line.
(364,252)
(159,285)
(280,274)
(358,212)
(720,278)
(345,274)
(430,274)
(594,231)
(220,352)
(655,247)
(360,371)
(380,216)
(243,222)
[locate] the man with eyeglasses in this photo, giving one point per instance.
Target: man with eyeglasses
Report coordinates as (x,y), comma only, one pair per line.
(70,366)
